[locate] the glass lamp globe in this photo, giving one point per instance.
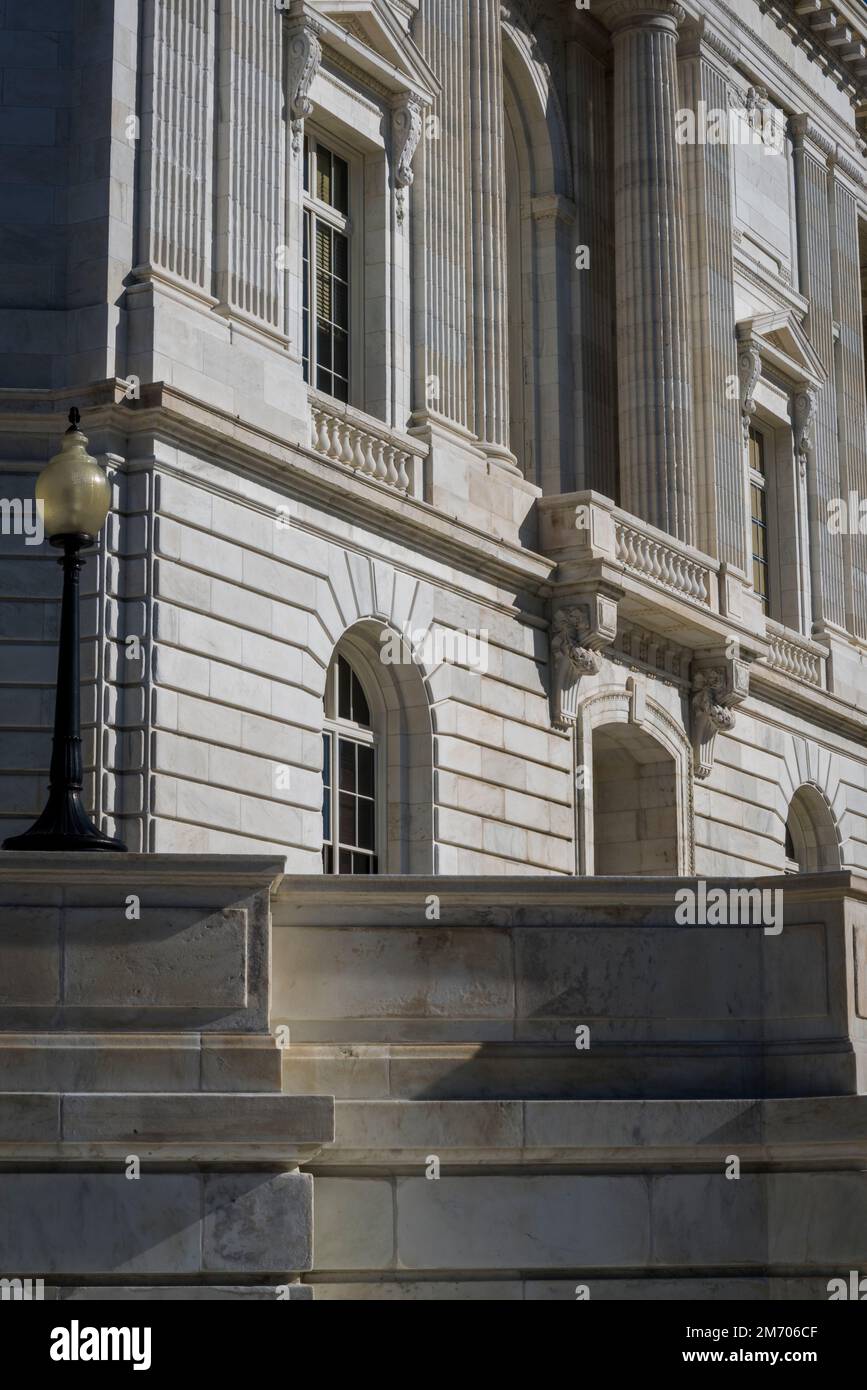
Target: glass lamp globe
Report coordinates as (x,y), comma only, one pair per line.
(73,489)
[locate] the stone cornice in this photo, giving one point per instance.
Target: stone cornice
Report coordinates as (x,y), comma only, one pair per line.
(698,38)
(775,60)
(171,414)
(845,163)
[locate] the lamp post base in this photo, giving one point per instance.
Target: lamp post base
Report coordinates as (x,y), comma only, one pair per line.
(65,825)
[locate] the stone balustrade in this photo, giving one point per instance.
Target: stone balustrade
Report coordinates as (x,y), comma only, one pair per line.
(350,438)
(665,564)
(796,656)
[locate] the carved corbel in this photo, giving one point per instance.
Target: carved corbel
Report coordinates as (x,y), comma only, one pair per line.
(406,126)
(303,57)
(803,421)
(577,635)
(749,371)
(717,690)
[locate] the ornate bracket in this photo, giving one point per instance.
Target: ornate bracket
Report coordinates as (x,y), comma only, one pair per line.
(577,634)
(749,371)
(406,127)
(718,689)
(303,57)
(803,420)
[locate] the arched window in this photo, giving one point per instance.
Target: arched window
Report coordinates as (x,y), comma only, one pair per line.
(351,833)
(377,803)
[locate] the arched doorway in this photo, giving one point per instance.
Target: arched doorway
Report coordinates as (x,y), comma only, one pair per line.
(634,803)
(812,842)
(634,793)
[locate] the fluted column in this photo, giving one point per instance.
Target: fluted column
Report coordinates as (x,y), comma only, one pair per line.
(177,141)
(441,218)
(656,468)
(251,162)
(812,199)
(717,431)
(490,360)
(846,183)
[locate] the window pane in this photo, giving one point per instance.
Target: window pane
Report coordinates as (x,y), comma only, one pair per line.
(340,343)
(323,345)
(757,450)
(365,823)
(326,759)
(341,256)
(326,787)
(360,707)
(347,819)
(344,688)
(328,859)
(346,861)
(347,766)
(323,173)
(324,268)
(341,184)
(341,305)
(365,770)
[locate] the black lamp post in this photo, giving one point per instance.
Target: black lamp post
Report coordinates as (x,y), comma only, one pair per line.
(76,496)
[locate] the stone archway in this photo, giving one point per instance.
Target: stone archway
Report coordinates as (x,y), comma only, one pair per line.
(634,803)
(813,840)
(635,812)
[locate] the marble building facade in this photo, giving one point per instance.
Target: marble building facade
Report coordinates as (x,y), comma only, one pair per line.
(483,390)
(437,325)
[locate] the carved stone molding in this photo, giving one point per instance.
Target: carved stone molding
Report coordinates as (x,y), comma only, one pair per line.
(718,688)
(406,127)
(804,407)
(849,166)
(578,632)
(303,59)
(749,371)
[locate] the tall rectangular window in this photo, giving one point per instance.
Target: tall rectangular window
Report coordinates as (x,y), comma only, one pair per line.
(759,514)
(326,270)
(349,809)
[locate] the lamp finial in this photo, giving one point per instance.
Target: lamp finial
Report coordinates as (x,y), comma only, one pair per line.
(74,418)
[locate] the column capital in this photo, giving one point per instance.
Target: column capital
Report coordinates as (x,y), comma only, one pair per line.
(810,137)
(630,14)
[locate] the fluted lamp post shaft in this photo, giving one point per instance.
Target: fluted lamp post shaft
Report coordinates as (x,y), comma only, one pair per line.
(75,496)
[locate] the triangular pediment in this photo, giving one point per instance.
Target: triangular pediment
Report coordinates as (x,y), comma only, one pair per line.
(369,34)
(782,341)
